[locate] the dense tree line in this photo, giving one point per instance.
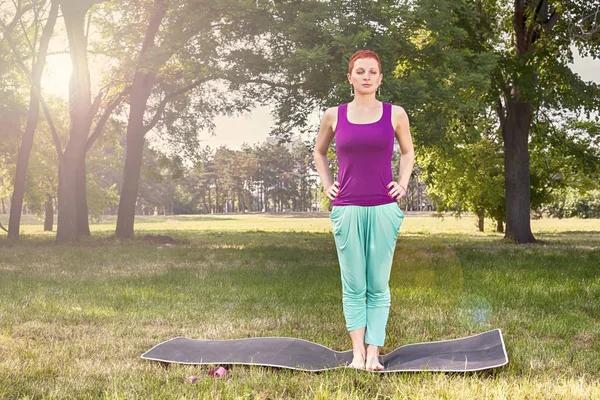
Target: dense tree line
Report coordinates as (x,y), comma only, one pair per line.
(269,177)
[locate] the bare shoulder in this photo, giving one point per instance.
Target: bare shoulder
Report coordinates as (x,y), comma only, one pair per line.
(330,113)
(399,116)
(326,130)
(330,118)
(398,112)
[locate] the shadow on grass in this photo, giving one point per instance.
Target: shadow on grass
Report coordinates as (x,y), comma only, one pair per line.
(94,241)
(571,233)
(244,240)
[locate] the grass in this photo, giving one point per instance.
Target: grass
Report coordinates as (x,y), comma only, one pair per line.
(74,320)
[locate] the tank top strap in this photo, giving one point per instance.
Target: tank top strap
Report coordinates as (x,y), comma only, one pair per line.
(342,114)
(387,111)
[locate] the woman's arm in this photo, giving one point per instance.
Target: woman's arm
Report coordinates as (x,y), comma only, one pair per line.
(324,137)
(407,151)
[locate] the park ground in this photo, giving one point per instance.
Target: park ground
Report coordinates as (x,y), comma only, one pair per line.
(74,319)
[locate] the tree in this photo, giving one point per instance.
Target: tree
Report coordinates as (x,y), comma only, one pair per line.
(303,159)
(453,60)
(246,166)
(532,75)
(13,112)
(38,57)
(276,175)
(465,172)
(72,198)
(186,49)
(42,177)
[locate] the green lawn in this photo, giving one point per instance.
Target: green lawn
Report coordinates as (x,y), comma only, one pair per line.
(74,320)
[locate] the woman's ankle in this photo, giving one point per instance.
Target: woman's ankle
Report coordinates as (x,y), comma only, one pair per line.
(360,351)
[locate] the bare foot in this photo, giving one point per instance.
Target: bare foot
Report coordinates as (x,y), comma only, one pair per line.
(373,363)
(358,361)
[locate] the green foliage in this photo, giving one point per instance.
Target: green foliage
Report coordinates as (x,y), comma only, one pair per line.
(277,174)
(466,174)
(207,52)
(564,157)
(573,203)
(6,180)
(312,42)
(463,61)
(99,198)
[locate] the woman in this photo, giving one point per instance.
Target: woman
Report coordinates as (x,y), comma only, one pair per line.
(365,217)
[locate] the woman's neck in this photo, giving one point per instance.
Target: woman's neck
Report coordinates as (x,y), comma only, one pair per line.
(368,101)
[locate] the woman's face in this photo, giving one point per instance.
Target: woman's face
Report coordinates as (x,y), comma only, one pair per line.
(365,76)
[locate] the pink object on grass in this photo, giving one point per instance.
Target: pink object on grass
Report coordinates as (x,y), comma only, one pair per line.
(217,372)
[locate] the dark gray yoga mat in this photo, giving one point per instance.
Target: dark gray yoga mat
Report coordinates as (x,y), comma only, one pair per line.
(483,351)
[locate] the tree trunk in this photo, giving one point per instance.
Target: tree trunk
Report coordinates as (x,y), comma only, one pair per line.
(480,219)
(260,197)
(49,214)
(242,201)
(66,230)
(216,196)
(143,81)
(500,227)
(499,215)
(83,224)
(72,203)
(515,132)
(265,201)
(209,200)
(131,178)
(14,223)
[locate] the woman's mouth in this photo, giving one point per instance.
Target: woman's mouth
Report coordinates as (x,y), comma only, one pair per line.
(367,85)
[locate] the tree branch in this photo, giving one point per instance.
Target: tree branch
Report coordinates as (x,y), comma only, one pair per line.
(160,9)
(552,20)
(110,107)
(18,14)
(519,26)
(38,92)
(25,31)
(220,24)
(55,138)
(95,106)
(542,8)
(87,29)
(37,12)
(273,84)
(171,96)
(101,53)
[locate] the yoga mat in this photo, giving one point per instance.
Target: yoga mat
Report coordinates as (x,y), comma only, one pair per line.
(483,351)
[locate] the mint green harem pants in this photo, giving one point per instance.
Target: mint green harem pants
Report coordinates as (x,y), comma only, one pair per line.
(365,238)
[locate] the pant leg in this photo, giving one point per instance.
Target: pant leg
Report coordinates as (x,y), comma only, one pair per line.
(384,225)
(348,227)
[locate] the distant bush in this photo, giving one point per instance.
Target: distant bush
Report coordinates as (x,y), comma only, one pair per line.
(574,204)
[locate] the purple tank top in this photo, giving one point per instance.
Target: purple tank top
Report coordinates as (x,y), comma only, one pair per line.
(364,153)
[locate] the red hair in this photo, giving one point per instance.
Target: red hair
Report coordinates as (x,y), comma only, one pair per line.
(363,54)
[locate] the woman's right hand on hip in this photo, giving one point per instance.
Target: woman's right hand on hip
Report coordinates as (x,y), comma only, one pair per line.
(333,190)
